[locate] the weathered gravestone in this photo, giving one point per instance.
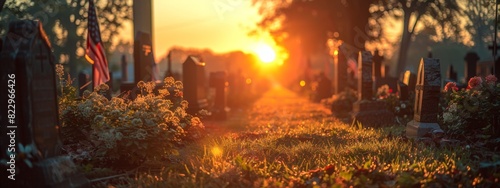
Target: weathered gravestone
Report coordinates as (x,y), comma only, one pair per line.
(340,71)
(377,70)
(31,123)
(124,66)
(144,65)
(193,78)
(451,74)
(403,92)
(324,88)
(367,111)
(427,92)
(471,59)
(143,58)
(217,80)
(410,79)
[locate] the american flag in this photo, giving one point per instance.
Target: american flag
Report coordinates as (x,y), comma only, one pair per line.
(95,51)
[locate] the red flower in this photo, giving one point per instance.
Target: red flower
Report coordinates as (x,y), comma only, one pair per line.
(474,82)
(491,79)
(450,86)
(179,94)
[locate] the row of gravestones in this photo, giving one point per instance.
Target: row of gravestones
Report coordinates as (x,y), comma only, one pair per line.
(427,92)
(193,78)
(30,145)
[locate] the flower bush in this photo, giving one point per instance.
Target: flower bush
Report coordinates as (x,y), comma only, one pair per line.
(108,132)
(473,109)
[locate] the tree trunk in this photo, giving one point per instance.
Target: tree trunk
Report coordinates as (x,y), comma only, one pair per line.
(404,45)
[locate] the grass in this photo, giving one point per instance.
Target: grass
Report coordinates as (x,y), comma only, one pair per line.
(301,145)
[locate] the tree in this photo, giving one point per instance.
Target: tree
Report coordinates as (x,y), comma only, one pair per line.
(440,14)
(480,16)
(309,22)
(65,22)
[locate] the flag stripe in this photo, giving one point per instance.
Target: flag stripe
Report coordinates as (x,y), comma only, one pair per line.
(95,52)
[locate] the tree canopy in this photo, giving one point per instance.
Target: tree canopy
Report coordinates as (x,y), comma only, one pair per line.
(65,22)
(356,21)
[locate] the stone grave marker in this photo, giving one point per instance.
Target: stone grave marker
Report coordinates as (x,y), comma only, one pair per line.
(324,88)
(124,66)
(471,59)
(143,58)
(451,74)
(193,77)
(217,80)
(404,94)
(377,69)
(366,110)
(30,63)
(144,64)
(340,71)
(427,92)
(410,79)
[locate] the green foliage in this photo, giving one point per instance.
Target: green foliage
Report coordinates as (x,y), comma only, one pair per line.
(120,132)
(475,109)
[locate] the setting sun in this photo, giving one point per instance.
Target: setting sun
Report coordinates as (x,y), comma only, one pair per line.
(265,53)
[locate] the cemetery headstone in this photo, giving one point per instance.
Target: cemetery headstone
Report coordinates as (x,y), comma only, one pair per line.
(237,90)
(366,110)
(377,69)
(404,94)
(340,71)
(410,79)
(217,80)
(124,66)
(427,92)
(28,75)
(365,91)
(143,58)
(83,82)
(471,59)
(193,77)
(144,64)
(451,74)
(169,68)
(324,89)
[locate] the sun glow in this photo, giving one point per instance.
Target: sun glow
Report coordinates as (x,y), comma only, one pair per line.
(265,53)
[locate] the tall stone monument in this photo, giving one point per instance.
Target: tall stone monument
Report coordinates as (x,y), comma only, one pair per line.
(193,77)
(427,92)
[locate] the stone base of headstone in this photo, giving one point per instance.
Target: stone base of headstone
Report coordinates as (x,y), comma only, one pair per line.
(55,172)
(372,113)
(415,129)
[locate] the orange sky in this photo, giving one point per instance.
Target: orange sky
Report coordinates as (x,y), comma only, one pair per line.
(220,25)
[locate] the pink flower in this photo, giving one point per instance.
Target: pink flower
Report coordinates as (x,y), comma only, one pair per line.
(474,82)
(491,79)
(450,86)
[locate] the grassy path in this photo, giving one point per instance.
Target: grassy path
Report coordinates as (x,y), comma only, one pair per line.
(284,140)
